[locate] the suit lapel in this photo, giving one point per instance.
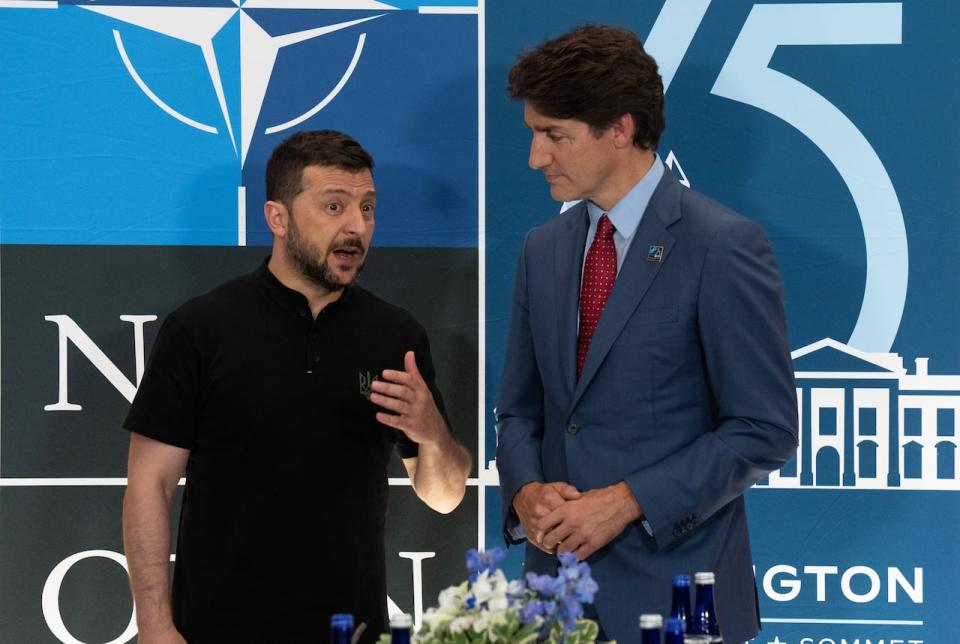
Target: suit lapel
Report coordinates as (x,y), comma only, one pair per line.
(568,260)
(636,275)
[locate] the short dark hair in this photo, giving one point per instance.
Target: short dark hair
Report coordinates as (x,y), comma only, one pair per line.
(594,74)
(318,147)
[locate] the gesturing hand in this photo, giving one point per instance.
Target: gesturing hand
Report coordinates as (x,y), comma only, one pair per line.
(534,502)
(405,393)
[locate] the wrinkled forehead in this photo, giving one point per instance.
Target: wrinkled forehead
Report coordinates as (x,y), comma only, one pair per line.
(319,179)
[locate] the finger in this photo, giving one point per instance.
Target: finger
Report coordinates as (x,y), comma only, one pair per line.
(568,492)
(399,377)
(389,389)
(393,404)
(547,523)
(552,499)
(568,545)
(540,546)
(410,364)
(390,420)
(558,535)
(583,552)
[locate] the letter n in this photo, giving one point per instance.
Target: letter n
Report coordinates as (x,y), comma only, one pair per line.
(69,331)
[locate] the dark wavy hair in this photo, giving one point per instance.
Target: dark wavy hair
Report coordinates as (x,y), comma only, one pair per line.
(318,147)
(594,74)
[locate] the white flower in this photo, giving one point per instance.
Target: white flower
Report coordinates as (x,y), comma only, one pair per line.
(481,624)
(498,602)
(482,588)
(452,596)
(460,624)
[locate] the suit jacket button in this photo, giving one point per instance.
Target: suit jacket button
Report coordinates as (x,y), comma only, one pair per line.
(573,428)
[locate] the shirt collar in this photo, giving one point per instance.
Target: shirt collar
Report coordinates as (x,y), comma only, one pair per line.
(627,213)
(290,299)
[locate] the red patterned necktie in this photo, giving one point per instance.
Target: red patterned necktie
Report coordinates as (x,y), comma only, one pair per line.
(599,274)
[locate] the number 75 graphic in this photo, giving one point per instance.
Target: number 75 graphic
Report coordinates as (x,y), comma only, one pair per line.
(747,78)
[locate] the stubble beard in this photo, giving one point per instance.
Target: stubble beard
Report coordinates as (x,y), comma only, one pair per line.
(312,264)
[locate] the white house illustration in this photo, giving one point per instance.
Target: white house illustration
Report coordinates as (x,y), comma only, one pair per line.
(866,423)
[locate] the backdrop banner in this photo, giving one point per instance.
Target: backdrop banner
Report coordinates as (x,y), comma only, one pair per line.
(134,138)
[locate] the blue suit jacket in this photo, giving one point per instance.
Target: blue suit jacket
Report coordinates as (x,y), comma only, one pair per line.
(687,394)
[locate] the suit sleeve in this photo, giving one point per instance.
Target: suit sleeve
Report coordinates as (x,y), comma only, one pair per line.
(749,373)
(519,410)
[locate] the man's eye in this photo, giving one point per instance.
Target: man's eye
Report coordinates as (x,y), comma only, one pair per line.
(333,207)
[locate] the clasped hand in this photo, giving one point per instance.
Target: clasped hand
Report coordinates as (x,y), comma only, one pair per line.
(557,517)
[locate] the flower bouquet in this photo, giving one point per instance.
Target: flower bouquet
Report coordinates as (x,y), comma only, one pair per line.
(487,608)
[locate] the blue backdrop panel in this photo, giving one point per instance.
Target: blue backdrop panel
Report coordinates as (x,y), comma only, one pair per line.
(828,123)
(150,124)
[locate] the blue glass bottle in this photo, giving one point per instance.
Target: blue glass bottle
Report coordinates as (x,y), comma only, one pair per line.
(674,630)
(341,628)
(400,626)
(651,629)
(705,612)
(680,606)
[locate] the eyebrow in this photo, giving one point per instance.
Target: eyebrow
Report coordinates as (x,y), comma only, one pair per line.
(548,129)
(343,191)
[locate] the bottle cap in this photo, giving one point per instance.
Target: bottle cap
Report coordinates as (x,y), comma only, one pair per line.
(681,580)
(652,620)
(675,625)
(401,620)
(704,578)
(341,620)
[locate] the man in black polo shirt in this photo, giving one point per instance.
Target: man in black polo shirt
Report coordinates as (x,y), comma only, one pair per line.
(281,395)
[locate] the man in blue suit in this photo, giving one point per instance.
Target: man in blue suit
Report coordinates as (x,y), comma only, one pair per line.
(647,381)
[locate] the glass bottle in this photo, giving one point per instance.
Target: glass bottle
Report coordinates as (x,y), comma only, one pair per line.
(680,606)
(400,627)
(673,631)
(651,626)
(705,612)
(341,628)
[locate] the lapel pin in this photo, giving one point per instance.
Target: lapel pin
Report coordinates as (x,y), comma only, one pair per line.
(654,253)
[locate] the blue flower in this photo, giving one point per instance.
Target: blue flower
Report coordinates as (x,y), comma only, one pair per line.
(567,559)
(544,584)
(585,589)
(530,612)
(478,562)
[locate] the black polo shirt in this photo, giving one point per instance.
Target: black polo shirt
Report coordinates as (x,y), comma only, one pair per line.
(283,514)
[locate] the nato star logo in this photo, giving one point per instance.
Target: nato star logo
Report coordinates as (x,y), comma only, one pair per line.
(198,23)
(252,68)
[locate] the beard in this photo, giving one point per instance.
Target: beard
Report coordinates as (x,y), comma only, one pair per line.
(306,258)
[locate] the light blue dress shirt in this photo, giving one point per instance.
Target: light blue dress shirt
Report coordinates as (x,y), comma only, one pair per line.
(625,214)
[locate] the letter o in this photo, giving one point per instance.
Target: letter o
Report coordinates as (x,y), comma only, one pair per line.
(870,574)
(50,599)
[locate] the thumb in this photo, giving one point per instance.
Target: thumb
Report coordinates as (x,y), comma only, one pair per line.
(410,364)
(568,492)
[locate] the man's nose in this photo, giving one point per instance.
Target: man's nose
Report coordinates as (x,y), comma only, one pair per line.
(539,158)
(355,223)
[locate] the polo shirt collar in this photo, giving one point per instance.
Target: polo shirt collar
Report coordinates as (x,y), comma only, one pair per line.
(290,299)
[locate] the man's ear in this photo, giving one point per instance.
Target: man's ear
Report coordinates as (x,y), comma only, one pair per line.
(623,129)
(277,217)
